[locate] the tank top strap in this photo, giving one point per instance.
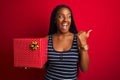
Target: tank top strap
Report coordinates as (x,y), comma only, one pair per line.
(75,38)
(50,36)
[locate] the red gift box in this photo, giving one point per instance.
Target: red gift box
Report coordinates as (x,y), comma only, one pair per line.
(30,52)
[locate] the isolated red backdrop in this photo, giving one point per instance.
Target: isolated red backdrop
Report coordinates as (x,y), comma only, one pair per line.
(30,18)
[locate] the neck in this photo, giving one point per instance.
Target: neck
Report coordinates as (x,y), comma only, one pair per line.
(63,34)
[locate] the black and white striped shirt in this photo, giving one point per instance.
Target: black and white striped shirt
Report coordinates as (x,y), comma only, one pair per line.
(62,65)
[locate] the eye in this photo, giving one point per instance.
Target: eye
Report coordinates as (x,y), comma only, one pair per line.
(69,16)
(60,16)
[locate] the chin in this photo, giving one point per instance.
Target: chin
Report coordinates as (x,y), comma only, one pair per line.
(64,32)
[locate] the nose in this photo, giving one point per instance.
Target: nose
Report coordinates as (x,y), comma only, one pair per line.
(65,19)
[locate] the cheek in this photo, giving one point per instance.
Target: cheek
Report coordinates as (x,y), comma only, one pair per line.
(58,22)
(70,21)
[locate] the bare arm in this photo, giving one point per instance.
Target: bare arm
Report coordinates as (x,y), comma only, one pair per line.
(83,50)
(84,60)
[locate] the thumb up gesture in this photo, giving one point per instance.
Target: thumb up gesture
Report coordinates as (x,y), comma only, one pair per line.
(83,36)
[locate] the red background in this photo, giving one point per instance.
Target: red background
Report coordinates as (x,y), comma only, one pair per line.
(30,18)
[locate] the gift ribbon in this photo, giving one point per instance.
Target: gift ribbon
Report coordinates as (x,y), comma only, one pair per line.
(34,45)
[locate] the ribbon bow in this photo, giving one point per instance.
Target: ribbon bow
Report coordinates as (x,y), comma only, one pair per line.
(34,45)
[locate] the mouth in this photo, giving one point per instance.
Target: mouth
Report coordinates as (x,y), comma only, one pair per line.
(65,25)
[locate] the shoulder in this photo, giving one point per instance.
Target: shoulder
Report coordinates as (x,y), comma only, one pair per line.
(71,35)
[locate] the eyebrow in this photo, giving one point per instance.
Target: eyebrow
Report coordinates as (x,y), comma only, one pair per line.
(63,14)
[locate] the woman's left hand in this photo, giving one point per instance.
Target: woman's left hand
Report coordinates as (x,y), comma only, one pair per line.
(83,36)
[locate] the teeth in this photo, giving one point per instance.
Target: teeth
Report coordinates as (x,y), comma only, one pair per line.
(65,24)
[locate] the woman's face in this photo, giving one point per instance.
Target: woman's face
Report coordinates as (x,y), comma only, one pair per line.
(63,20)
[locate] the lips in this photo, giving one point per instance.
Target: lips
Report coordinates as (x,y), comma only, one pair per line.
(64,25)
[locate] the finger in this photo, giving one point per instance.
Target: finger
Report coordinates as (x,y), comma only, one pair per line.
(80,32)
(88,33)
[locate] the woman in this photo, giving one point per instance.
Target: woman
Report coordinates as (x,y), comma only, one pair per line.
(67,49)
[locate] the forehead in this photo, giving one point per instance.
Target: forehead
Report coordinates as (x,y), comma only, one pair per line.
(64,11)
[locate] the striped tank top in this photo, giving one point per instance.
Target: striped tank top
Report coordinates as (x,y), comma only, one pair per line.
(62,65)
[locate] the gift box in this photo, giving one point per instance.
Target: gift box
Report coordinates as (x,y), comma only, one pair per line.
(30,52)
